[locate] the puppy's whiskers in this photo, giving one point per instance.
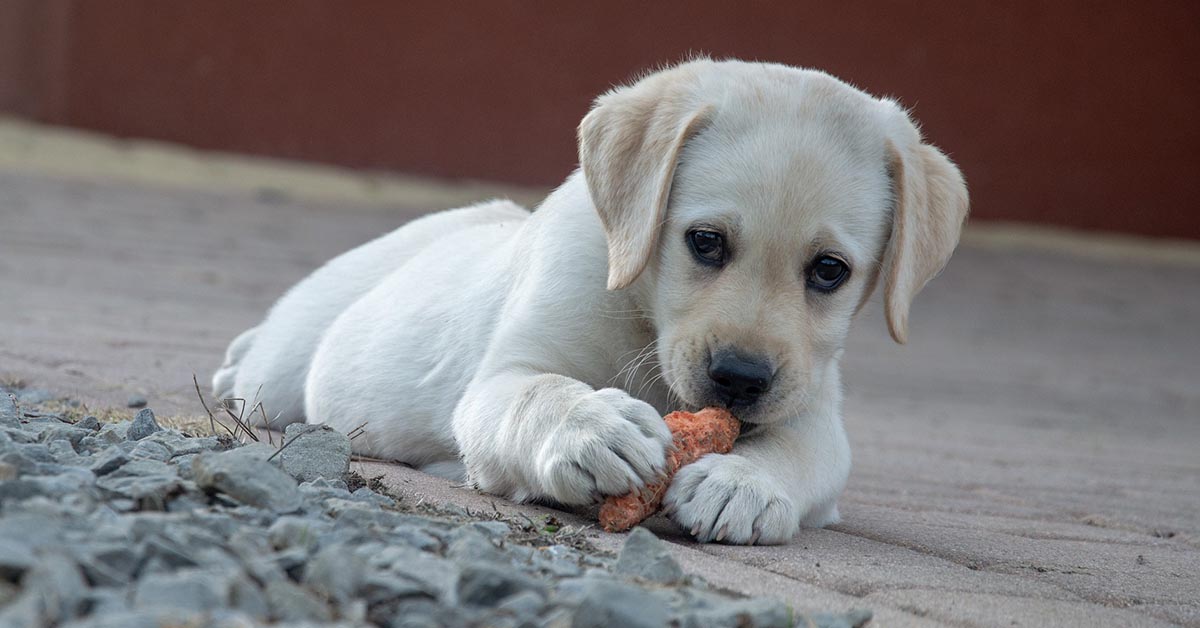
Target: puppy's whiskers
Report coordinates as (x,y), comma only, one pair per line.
(625,315)
(630,368)
(648,385)
(639,368)
(676,399)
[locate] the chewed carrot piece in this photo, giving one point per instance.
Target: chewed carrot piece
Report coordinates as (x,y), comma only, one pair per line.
(709,431)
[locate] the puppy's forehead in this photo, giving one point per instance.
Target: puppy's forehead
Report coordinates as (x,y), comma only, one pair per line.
(795,156)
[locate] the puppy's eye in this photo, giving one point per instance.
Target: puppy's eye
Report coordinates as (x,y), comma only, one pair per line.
(826,273)
(707,246)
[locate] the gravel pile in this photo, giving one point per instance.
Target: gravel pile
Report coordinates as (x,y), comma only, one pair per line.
(130,524)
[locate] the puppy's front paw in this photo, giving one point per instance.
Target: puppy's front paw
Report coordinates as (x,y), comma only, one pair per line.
(726,498)
(609,444)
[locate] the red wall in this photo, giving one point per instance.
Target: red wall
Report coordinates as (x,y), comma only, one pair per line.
(1070,112)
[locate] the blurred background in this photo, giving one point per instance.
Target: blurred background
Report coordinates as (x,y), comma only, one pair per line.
(1071,113)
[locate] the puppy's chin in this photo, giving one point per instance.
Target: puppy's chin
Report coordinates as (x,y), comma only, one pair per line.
(766,412)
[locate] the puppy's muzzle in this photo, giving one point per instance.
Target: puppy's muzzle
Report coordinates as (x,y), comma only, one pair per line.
(738,380)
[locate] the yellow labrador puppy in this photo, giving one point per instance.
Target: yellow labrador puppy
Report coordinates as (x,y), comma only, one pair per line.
(726,223)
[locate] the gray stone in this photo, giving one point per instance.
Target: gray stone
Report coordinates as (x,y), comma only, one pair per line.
(183,465)
(145,618)
(9,436)
(8,593)
(90,445)
(559,561)
(33,487)
(292,603)
(364,494)
(152,450)
(415,536)
(146,467)
(202,590)
(487,585)
(168,554)
(645,556)
(363,517)
(90,423)
(108,461)
(113,433)
(143,425)
(292,531)
(10,414)
(381,587)
(471,544)
(315,451)
(15,558)
(65,454)
(336,572)
(523,605)
(756,613)
(149,491)
(64,432)
(8,471)
(322,488)
(494,530)
(438,574)
(19,462)
(608,603)
(135,401)
(264,568)
(35,530)
(108,563)
(248,479)
(26,609)
(424,613)
(36,452)
(350,511)
(169,438)
(105,601)
(190,446)
(59,584)
(36,425)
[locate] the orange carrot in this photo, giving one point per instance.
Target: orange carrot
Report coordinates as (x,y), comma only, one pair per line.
(709,431)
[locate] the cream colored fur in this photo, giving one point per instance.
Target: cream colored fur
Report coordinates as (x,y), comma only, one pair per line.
(535,353)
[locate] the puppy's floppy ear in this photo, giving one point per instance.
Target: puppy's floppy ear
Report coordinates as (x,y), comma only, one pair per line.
(930,208)
(628,148)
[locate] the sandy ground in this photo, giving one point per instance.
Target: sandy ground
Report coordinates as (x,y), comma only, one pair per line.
(1028,459)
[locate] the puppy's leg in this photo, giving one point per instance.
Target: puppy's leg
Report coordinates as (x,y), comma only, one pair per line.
(531,436)
(225,377)
(762,492)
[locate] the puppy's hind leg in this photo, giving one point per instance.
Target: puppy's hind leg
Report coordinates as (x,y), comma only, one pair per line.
(223,380)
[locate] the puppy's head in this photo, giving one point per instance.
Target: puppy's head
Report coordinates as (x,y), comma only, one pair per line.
(754,207)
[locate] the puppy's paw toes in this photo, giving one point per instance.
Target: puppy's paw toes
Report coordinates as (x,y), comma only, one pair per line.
(726,498)
(637,412)
(607,445)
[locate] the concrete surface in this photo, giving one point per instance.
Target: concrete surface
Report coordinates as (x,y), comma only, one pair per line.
(1028,459)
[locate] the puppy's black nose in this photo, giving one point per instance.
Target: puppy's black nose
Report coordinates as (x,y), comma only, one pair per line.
(737,380)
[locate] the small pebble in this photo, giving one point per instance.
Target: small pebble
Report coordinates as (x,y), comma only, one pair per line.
(247,478)
(313,452)
(136,401)
(143,425)
(645,556)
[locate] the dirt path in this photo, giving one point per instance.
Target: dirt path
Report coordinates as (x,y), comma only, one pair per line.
(1029,459)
